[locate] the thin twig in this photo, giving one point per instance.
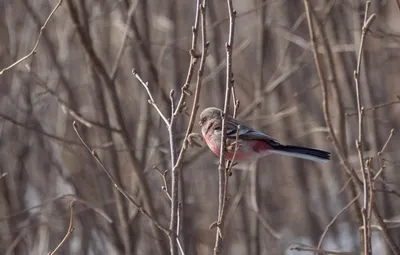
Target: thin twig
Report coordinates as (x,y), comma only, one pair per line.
(64,106)
(164,179)
(120,189)
(3,175)
(387,142)
(74,197)
(222,174)
(379,154)
(38,130)
(200,72)
(319,251)
(33,51)
(176,162)
(231,162)
(71,228)
(117,108)
(338,148)
(321,239)
(193,60)
(131,10)
(266,225)
(365,173)
(151,100)
(373,108)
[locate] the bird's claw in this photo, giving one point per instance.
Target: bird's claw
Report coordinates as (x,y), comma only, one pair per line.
(195,140)
(233,146)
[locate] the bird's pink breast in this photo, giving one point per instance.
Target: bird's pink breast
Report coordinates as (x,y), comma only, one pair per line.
(248,150)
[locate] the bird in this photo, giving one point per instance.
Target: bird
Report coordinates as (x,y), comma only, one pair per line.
(245,144)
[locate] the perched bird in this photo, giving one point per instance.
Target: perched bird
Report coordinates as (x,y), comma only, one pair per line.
(252,144)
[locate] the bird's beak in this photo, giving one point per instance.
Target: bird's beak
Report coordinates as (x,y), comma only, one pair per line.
(200,123)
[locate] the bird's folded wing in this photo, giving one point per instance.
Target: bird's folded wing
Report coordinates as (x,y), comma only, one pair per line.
(246,133)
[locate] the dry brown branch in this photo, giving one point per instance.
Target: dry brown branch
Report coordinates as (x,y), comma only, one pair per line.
(338,148)
(177,162)
(131,11)
(328,121)
(373,108)
(321,239)
(336,143)
(379,155)
(233,147)
(163,175)
(71,228)
(319,251)
(3,175)
(33,51)
(72,196)
(151,100)
(16,241)
(181,107)
(222,173)
(117,108)
(120,189)
(200,72)
(367,184)
(66,108)
(269,88)
(267,226)
(173,197)
(185,90)
(38,130)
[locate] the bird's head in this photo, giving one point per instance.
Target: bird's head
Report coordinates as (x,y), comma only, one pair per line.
(208,114)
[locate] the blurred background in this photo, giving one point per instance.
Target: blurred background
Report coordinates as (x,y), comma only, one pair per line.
(82,71)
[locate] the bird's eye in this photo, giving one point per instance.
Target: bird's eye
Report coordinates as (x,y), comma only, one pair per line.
(203,119)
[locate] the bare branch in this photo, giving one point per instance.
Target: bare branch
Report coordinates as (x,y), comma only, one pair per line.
(379,154)
(319,251)
(373,108)
(321,239)
(222,173)
(151,100)
(131,11)
(185,90)
(200,72)
(120,189)
(71,228)
(338,148)
(367,184)
(33,51)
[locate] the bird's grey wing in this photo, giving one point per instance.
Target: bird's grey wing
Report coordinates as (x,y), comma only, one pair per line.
(245,132)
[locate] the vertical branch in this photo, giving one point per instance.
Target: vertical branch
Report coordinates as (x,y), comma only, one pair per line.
(185,89)
(336,144)
(176,161)
(254,167)
(350,171)
(367,185)
(222,173)
(174,219)
(71,228)
(177,164)
(193,60)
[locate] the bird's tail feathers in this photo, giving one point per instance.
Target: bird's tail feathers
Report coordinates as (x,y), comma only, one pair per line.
(302,152)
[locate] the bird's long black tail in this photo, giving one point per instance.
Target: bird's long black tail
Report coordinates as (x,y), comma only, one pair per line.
(302,152)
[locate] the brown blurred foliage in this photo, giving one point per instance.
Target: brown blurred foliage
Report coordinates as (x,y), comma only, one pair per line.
(277,202)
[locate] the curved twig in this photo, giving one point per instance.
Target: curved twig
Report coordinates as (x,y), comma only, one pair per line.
(33,51)
(71,228)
